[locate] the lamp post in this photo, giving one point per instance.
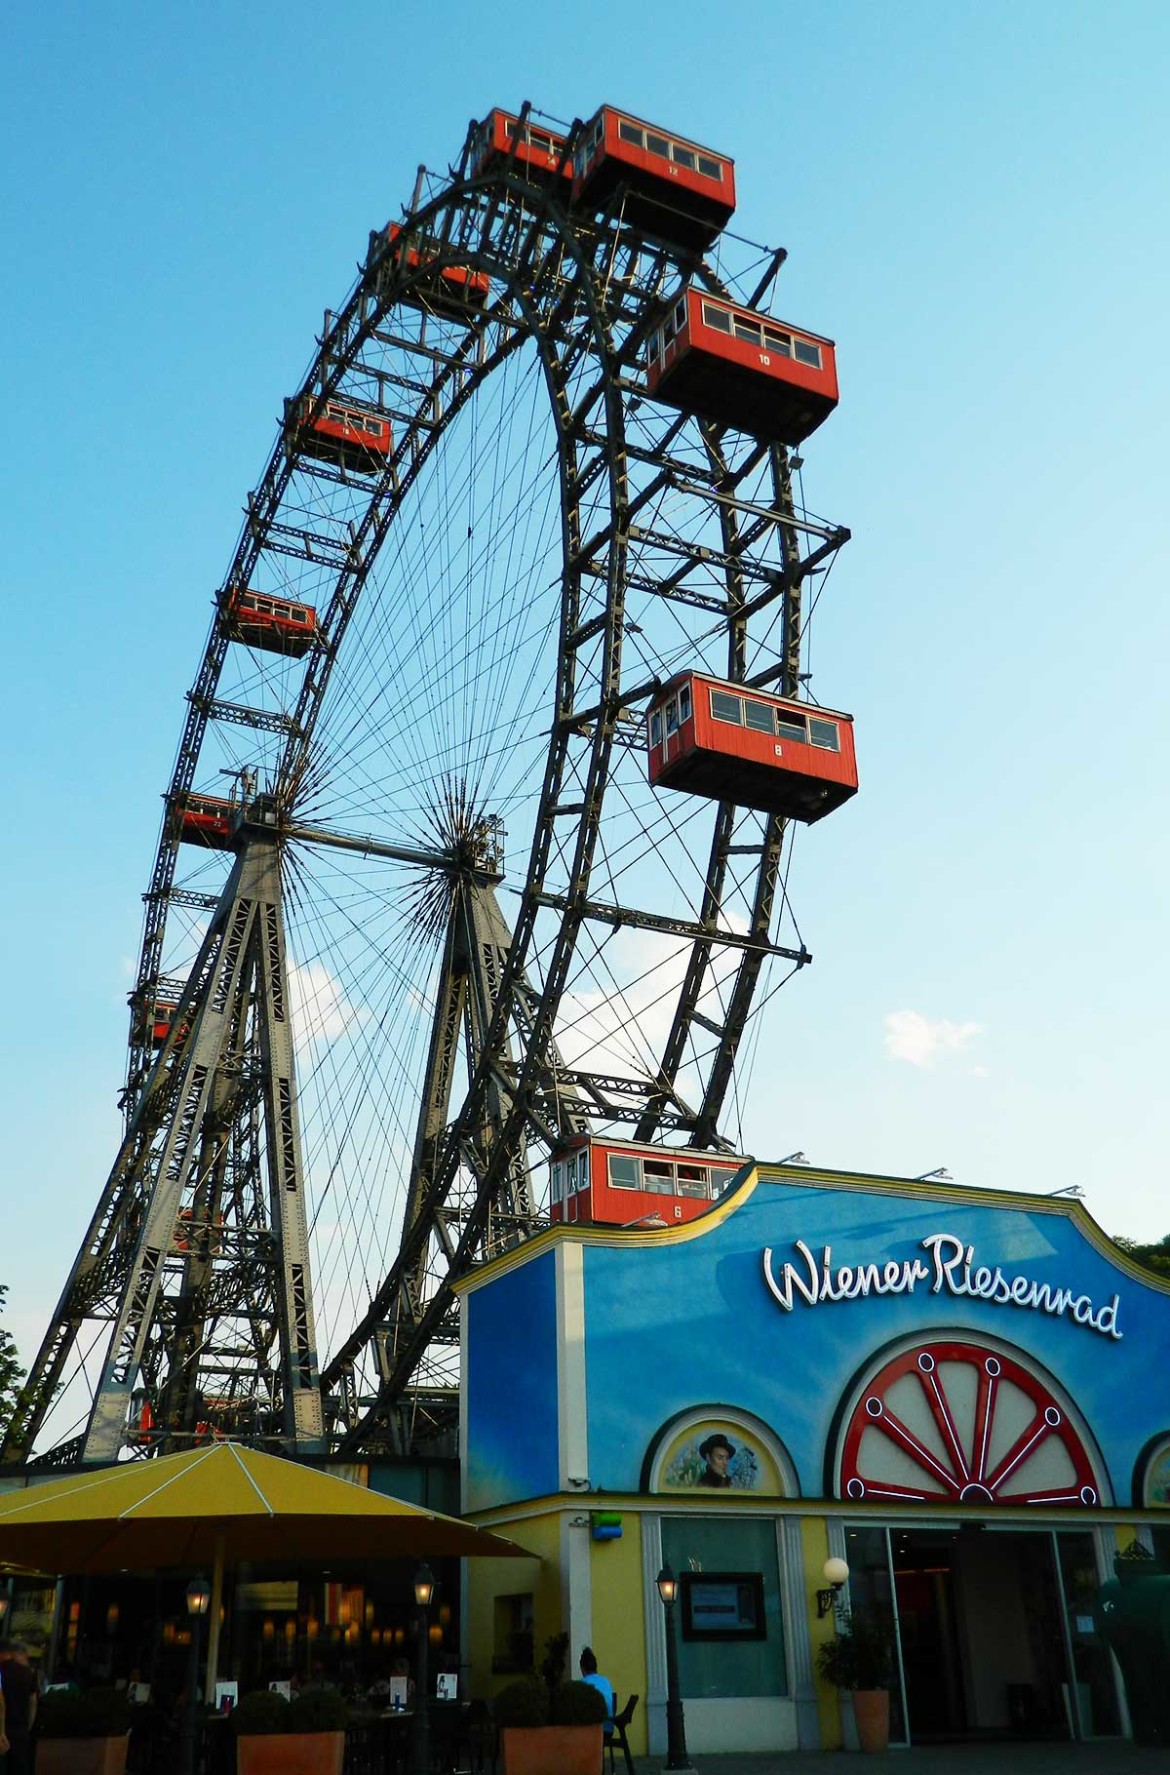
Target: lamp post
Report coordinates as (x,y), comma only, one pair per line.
(424,1590)
(676,1733)
(198,1597)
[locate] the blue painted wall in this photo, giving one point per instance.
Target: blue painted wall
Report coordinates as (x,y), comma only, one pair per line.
(511,1399)
(683,1324)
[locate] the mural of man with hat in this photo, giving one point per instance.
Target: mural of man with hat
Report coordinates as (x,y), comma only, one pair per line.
(718,1453)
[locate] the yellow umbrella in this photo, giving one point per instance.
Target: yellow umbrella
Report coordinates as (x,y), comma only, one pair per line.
(218,1505)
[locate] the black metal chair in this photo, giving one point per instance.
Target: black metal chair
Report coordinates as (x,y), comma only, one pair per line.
(618,1735)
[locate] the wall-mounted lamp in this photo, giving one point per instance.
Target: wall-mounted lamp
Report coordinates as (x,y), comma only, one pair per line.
(835,1573)
(577,1482)
(797,1158)
(942,1175)
(1070,1189)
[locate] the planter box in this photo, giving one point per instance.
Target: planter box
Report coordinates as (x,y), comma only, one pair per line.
(552,1750)
(290,1753)
(82,1756)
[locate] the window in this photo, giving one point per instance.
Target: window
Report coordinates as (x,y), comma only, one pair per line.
(807,353)
(624,1172)
(684,157)
(658,145)
(824,734)
(716,317)
(656,728)
(583,1168)
(684,703)
(777,341)
(723,1605)
(711,169)
(672,715)
(658,1177)
(725,707)
(629,132)
(791,727)
(680,314)
(747,330)
(760,716)
(692,1180)
(557,1185)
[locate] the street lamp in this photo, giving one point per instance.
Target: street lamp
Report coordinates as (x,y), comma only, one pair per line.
(676,1734)
(198,1598)
(424,1590)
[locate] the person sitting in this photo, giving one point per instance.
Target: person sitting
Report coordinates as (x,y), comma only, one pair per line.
(591,1675)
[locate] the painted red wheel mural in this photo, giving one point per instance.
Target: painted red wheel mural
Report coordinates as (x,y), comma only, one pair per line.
(961,1423)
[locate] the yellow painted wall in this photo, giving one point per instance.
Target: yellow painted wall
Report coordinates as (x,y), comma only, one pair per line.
(615,1576)
(489,1578)
(814,1536)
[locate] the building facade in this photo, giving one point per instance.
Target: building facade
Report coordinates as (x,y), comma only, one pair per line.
(963,1394)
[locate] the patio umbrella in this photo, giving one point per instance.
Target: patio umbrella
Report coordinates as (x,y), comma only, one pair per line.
(215,1506)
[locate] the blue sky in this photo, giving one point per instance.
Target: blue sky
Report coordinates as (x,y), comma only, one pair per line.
(972,197)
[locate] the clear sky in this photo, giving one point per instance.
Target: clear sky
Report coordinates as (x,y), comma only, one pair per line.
(973,197)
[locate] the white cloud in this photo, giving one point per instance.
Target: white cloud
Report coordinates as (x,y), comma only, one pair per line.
(321,1012)
(911,1036)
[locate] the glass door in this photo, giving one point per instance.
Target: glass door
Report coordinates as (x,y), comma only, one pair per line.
(871,1591)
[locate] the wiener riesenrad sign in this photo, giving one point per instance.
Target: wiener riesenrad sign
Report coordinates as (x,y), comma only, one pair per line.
(949,1267)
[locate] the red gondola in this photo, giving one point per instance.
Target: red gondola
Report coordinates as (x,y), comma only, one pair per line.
(203,819)
(740,368)
(538,152)
(451,289)
(674,189)
(619,1183)
(355,438)
(152,1019)
(275,625)
(730,742)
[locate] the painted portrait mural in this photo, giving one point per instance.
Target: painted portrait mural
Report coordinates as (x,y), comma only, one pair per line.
(705,1451)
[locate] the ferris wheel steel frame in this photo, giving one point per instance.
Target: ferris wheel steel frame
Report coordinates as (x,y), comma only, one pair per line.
(584,291)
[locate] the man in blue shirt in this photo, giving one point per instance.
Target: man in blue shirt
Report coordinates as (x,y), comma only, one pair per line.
(591,1675)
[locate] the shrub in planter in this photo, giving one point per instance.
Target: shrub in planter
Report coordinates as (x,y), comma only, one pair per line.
(279,1737)
(261,1714)
(539,1738)
(578,1704)
(83,1734)
(861,1659)
(522,1704)
(318,1710)
(103,1713)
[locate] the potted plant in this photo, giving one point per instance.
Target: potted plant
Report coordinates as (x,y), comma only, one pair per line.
(305,1736)
(541,1734)
(83,1734)
(860,1659)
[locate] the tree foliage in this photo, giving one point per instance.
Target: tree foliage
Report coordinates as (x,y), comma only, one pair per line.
(11,1372)
(1155,1257)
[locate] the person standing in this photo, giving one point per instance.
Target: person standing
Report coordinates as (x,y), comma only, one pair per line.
(18,1682)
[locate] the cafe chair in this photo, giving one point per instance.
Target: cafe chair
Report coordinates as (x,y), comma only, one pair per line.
(618,1735)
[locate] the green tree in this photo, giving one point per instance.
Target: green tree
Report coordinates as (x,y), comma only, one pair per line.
(11,1372)
(1154,1257)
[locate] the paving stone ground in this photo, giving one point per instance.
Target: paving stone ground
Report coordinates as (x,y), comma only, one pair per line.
(946,1759)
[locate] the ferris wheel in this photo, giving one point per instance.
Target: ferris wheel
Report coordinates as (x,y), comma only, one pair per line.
(421,911)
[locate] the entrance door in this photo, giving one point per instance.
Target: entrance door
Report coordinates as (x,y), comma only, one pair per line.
(931,1663)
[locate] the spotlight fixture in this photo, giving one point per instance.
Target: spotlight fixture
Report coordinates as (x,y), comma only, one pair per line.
(942,1175)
